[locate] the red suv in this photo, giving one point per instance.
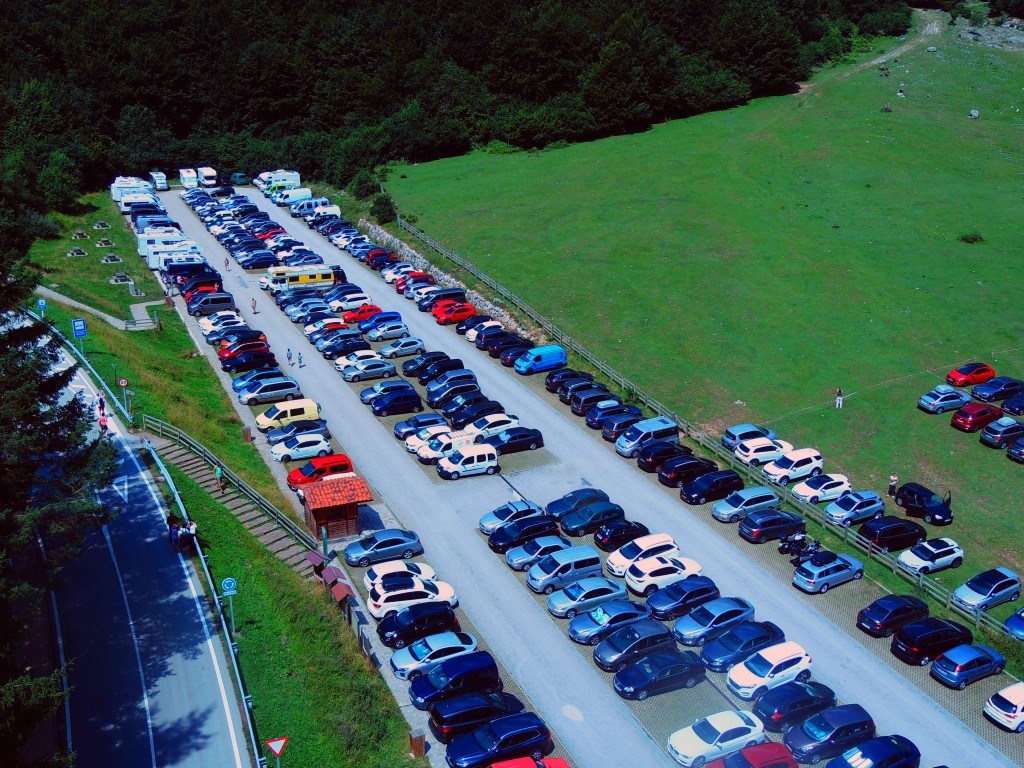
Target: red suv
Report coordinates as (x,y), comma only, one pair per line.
(318,468)
(975,416)
(455,314)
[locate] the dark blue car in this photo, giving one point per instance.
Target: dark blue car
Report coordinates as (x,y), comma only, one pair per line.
(380,318)
(506,738)
(739,644)
(599,414)
(681,597)
(659,673)
(396,402)
(999,388)
(890,751)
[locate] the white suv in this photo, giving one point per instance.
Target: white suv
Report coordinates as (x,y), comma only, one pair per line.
(761,450)
(803,462)
(775,665)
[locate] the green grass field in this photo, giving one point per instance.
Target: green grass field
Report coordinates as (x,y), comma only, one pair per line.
(742,265)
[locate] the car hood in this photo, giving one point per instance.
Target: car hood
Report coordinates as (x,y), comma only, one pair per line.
(464,750)
(633,677)
(584,626)
(686,626)
(968,595)
(687,743)
(662,600)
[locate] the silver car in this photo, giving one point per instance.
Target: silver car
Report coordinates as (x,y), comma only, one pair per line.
(522,558)
(386,331)
(592,627)
(422,656)
(739,504)
(506,513)
(708,621)
(369,369)
(583,595)
(270,391)
(295,428)
(943,398)
(403,348)
(987,590)
(826,570)
(855,507)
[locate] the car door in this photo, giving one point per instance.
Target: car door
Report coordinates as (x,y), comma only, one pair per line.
(730,739)
(725,618)
(596,594)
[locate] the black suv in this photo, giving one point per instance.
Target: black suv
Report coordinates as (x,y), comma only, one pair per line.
(829,733)
(711,487)
(677,472)
(421,362)
(438,367)
(766,524)
(416,621)
(918,501)
(652,456)
(681,597)
(921,641)
(553,381)
(463,714)
(890,533)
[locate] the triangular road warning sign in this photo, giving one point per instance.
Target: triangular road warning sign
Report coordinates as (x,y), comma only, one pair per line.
(276,745)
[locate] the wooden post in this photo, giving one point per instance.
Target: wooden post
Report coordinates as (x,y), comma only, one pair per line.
(417,743)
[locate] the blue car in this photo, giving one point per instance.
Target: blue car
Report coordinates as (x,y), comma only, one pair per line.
(890,751)
(999,388)
(379,319)
(506,738)
(379,546)
(965,664)
(247,379)
(943,398)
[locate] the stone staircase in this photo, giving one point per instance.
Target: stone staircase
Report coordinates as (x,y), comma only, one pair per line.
(260,524)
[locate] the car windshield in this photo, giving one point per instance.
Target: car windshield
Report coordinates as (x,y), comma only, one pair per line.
(737,760)
(784,463)
(272,412)
(706,732)
(730,641)
(984,582)
(758,665)
(632,434)
(631,550)
(923,552)
(702,616)
(816,728)
(623,639)
(291,442)
(600,616)
(435,445)
(734,500)
(419,650)
(486,738)
(307,471)
(574,591)
(847,502)
(438,677)
(547,565)
(456,458)
(532,547)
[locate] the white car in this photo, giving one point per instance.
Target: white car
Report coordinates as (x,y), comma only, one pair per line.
(427,652)
(618,562)
(714,736)
(1007,707)
(301,447)
(823,488)
(421,293)
(405,592)
(369,369)
(395,271)
(380,570)
(414,442)
(355,357)
(931,556)
(793,466)
(351,301)
(403,348)
(761,450)
(647,576)
(775,665)
(387,331)
(217,319)
(473,332)
(343,239)
(493,424)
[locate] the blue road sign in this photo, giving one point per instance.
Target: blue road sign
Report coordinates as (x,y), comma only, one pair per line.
(41,303)
(229,586)
(78,328)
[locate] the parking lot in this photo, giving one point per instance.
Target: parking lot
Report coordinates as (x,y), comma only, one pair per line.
(569,692)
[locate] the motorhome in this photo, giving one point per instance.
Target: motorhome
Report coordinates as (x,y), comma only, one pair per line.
(289,178)
(188,178)
(124,204)
(159,255)
(206,176)
(153,236)
(159,180)
(123,185)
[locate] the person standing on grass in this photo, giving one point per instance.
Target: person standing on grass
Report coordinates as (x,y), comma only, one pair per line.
(839,398)
(172,520)
(894,480)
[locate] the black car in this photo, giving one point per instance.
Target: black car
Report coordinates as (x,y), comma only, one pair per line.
(792,703)
(302,427)
(344,346)
(682,596)
(515,439)
(574,500)
(613,535)
(740,643)
(553,381)
(1014,405)
(462,401)
(588,519)
(768,524)
(498,346)
(921,641)
(659,673)
(711,487)
(520,531)
(829,733)
(453,717)
(918,501)
(511,354)
(438,367)
(652,456)
(890,612)
(506,738)
(472,412)
(631,643)
(249,361)
(677,472)
(416,621)
(469,322)
(418,364)
(890,534)
(572,386)
(487,335)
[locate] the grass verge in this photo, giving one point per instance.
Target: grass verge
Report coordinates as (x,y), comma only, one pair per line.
(300,660)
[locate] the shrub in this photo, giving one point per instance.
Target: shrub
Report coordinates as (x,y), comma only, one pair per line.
(971,237)
(383,208)
(363,185)
(498,147)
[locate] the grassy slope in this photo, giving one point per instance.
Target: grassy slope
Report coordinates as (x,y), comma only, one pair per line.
(771,253)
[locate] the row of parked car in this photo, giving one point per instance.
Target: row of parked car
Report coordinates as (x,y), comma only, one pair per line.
(630,640)
(975,410)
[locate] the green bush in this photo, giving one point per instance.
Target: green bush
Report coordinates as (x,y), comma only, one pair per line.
(383,208)
(971,238)
(364,184)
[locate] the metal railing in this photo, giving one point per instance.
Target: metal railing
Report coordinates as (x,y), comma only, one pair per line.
(229,642)
(710,443)
(168,431)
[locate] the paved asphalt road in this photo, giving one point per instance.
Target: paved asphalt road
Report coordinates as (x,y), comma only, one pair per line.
(148,685)
(595,726)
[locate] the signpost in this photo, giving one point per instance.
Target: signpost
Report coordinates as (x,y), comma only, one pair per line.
(277,747)
(79,331)
(41,303)
(229,588)
(123,384)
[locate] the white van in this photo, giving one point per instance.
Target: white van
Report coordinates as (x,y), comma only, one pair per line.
(658,429)
(188,178)
(323,210)
(288,196)
(123,185)
(153,236)
(207,176)
(159,180)
(127,198)
(280,176)
(310,204)
(471,460)
(161,255)
(443,444)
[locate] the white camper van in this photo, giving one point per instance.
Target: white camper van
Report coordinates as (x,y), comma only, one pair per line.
(188,178)
(207,176)
(159,180)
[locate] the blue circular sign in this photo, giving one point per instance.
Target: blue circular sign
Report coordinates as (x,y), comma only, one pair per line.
(229,584)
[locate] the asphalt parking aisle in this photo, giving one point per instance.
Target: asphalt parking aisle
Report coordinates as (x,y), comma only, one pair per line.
(568,690)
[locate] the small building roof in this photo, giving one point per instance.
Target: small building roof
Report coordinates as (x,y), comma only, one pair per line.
(336,492)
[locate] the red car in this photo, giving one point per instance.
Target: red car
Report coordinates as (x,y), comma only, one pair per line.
(769,755)
(529,762)
(270,233)
(970,374)
(243,346)
(456,314)
(359,314)
(201,289)
(325,325)
(441,306)
(975,416)
(413,277)
(317,468)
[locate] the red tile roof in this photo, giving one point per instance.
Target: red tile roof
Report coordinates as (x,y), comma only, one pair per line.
(336,492)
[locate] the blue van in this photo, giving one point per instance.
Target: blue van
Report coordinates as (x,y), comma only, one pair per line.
(396,402)
(540,359)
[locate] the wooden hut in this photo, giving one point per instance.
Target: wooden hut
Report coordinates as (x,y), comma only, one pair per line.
(334,504)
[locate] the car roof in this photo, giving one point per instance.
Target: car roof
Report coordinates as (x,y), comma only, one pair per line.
(963,653)
(846,713)
(773,654)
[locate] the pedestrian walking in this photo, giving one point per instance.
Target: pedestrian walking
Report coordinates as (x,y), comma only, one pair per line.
(227,264)
(289,355)
(894,480)
(254,310)
(172,520)
(839,398)
(103,426)
(300,359)
(219,473)
(101,404)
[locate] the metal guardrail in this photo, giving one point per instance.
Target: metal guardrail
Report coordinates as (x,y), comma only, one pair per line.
(232,649)
(709,443)
(169,431)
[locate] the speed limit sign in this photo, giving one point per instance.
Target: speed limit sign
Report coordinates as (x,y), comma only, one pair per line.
(122,383)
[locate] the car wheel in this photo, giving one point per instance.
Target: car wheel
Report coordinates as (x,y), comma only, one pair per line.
(386,375)
(642,695)
(734,519)
(940,410)
(758,693)
(1015,597)
(1019,728)
(286,457)
(928,519)
(690,682)
(804,676)
(783,481)
(698,762)
(634,454)
(536,754)
(400,644)
(251,401)
(858,575)
(533,446)
(417,409)
(900,501)
(594,641)
(650,591)
(814,759)
(491,470)
(620,667)
(232,370)
(365,562)
(548,589)
(571,613)
(816,471)
(755,463)
(383,414)
(924,661)
(680,484)
(997,670)
(701,640)
(961,685)
(321,454)
(823,589)
(957,562)
(405,335)
(814,499)
(456,475)
(355,378)
(702,501)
